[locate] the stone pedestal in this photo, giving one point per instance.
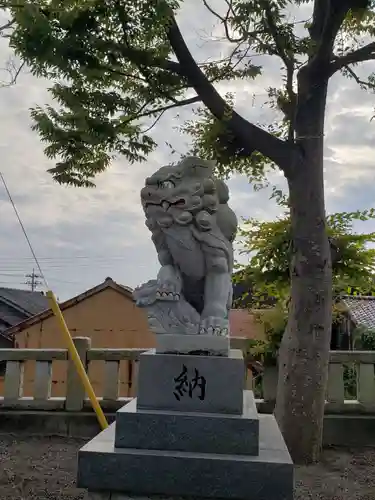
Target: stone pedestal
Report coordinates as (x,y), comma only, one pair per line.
(203,439)
(188,431)
(191,344)
(180,382)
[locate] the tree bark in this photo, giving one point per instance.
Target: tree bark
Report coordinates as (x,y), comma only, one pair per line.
(304,351)
(303,361)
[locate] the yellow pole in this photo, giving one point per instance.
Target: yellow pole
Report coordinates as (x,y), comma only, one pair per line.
(77,361)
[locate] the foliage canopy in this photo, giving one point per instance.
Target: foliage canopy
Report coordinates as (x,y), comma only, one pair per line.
(268,244)
(115,73)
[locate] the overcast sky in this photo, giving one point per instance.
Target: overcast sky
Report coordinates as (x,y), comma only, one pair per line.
(82,236)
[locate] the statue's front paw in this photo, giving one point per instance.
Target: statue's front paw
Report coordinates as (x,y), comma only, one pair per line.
(214,326)
(144,295)
(168,291)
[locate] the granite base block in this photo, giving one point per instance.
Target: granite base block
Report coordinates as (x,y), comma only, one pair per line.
(268,476)
(181,382)
(190,344)
(193,432)
(99,495)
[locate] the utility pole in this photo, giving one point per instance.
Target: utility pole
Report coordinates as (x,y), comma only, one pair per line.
(33,281)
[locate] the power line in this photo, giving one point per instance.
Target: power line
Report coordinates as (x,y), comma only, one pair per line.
(90,257)
(11,283)
(14,268)
(23,230)
(12,275)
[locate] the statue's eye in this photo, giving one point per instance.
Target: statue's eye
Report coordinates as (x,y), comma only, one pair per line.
(167,185)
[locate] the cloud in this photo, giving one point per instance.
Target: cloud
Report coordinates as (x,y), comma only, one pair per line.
(82,235)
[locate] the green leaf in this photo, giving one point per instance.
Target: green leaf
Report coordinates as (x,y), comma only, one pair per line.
(268,245)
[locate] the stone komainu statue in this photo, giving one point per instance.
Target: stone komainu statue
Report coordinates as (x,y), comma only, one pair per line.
(193,229)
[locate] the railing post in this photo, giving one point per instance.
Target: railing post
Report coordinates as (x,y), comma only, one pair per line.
(270,378)
(134,378)
(75,392)
(43,380)
(13,384)
(111,376)
(366,384)
(249,380)
(335,386)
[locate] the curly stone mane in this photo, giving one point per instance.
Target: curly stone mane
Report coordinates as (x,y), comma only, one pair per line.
(187,193)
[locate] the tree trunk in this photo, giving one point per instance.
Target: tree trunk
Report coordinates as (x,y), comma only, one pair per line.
(304,351)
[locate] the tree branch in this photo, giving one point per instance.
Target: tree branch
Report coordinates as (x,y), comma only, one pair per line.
(366,53)
(327,20)
(161,113)
(251,137)
(151,60)
(7,25)
(224,21)
(318,20)
(290,68)
(275,35)
(362,83)
(14,74)
(177,104)
(162,109)
(246,35)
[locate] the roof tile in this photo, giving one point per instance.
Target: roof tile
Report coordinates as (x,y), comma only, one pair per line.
(361,309)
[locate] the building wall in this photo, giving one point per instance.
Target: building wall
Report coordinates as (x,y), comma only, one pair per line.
(109,319)
(244,324)
(4,344)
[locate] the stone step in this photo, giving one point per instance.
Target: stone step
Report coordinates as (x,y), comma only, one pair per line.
(191,383)
(192,432)
(269,476)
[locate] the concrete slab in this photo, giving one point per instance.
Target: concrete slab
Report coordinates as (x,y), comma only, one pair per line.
(180,382)
(190,344)
(194,432)
(269,476)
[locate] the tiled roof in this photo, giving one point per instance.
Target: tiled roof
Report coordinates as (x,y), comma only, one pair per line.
(361,309)
(17,305)
(46,312)
(31,302)
(10,316)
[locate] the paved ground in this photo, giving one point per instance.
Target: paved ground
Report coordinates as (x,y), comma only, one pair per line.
(45,468)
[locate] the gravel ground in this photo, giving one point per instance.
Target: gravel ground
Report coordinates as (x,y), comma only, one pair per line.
(45,468)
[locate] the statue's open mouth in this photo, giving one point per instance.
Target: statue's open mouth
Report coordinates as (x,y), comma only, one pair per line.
(167,204)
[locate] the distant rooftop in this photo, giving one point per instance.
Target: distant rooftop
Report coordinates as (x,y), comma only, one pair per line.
(31,302)
(361,309)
